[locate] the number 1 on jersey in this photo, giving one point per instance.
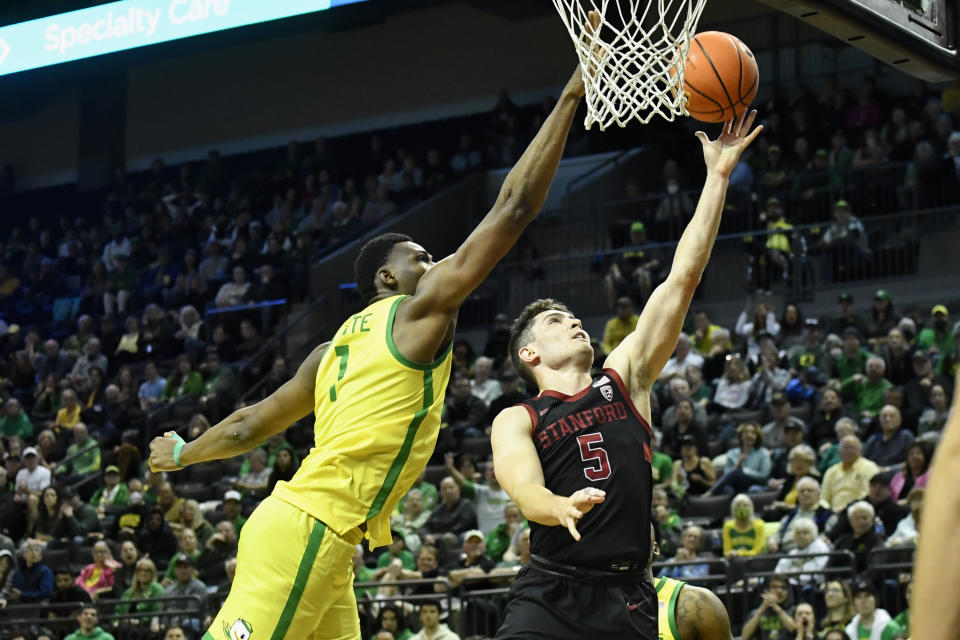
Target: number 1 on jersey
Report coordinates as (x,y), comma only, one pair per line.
(590,449)
(343,352)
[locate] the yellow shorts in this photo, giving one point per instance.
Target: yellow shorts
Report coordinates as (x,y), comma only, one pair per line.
(294,580)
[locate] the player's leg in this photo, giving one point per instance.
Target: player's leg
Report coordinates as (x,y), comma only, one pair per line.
(290,570)
(340,622)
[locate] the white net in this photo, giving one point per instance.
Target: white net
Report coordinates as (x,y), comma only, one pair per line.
(636,57)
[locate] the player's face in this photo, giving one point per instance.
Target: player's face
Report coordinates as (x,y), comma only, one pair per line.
(558,338)
(408,262)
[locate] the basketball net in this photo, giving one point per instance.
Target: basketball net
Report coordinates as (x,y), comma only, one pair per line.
(638,73)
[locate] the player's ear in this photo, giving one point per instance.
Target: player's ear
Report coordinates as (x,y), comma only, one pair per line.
(386,276)
(529,355)
(656,550)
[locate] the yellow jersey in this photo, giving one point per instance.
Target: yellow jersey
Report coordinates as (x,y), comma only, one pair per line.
(377,419)
(668,590)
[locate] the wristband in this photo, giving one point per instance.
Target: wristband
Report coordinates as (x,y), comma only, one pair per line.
(177,448)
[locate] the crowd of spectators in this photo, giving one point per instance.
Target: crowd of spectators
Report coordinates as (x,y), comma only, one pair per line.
(815,433)
(809,189)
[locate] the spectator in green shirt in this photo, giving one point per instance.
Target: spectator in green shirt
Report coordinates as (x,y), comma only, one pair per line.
(184,382)
(144,587)
(86,450)
(938,337)
(219,389)
(113,492)
(16,423)
(397,549)
(503,535)
(362,573)
(89,626)
(233,508)
(866,391)
(853,358)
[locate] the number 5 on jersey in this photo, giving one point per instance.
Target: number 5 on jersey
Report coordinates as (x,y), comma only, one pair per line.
(342,352)
(590,450)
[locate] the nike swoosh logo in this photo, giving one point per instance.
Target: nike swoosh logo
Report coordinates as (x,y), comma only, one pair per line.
(632,607)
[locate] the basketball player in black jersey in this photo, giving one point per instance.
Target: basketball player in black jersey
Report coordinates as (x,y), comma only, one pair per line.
(576,459)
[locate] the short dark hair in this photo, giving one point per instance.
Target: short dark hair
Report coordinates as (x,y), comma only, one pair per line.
(521,332)
(429,603)
(657,534)
(373,255)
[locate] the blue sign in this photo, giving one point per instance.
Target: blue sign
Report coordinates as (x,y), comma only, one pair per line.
(135,23)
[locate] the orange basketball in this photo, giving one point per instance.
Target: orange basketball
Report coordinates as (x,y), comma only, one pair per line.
(721,77)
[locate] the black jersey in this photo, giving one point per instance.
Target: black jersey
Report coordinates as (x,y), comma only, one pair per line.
(595,438)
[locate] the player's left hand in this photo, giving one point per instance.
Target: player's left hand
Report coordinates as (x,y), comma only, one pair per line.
(569,510)
(161,453)
(723,154)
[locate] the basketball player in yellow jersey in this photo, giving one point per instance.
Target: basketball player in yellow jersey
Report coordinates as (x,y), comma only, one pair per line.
(376,390)
(686,612)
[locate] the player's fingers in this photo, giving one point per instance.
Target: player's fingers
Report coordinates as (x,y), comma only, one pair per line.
(593,19)
(702,137)
(572,528)
(753,134)
(748,125)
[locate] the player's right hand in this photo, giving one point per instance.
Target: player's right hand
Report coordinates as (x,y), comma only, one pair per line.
(161,453)
(569,510)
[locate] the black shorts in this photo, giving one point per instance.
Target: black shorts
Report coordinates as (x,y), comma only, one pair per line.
(549,605)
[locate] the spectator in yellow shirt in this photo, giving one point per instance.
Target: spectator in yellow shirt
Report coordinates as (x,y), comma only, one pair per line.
(619,326)
(744,534)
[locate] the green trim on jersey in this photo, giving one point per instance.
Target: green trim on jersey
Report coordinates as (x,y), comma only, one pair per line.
(672,605)
(396,352)
(396,467)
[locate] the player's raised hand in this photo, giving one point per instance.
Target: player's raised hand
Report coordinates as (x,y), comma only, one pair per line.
(569,510)
(161,453)
(721,155)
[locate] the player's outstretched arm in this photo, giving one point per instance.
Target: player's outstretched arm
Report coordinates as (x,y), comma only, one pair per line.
(642,355)
(246,428)
(701,615)
(934,612)
(449,282)
(521,476)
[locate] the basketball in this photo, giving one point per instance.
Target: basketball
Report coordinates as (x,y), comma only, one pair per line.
(721,77)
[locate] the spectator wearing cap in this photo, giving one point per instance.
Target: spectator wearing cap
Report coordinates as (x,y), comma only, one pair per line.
(889,447)
(637,270)
(846,315)
(185,585)
(773,431)
(853,357)
(811,352)
(870,622)
(692,473)
(15,422)
(619,326)
(33,478)
(112,493)
(916,392)
(883,318)
(937,338)
(866,392)
(83,456)
(472,560)
(848,479)
(843,245)
(233,509)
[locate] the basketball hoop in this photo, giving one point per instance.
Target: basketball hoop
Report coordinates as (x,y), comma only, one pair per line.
(638,72)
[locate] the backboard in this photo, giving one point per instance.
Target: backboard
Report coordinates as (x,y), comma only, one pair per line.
(918,37)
